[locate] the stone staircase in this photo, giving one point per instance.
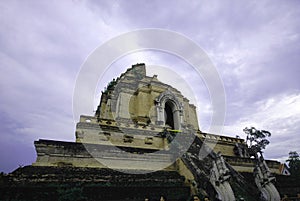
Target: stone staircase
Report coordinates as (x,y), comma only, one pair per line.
(215,177)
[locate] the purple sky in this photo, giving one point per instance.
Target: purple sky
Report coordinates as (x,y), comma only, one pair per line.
(253,44)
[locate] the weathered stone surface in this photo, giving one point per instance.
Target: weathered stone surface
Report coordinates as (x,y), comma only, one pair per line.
(54,183)
(140,99)
(58,153)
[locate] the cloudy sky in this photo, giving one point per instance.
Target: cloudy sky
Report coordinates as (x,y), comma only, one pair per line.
(254,45)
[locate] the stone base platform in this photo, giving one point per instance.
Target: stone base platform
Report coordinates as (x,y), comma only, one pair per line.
(69,183)
(74,154)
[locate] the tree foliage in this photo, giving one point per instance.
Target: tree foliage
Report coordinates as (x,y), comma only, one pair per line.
(256,140)
(294,163)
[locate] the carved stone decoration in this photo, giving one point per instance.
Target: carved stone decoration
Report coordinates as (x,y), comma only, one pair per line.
(128,138)
(149,140)
(240,151)
(219,177)
(210,174)
(263,181)
(168,95)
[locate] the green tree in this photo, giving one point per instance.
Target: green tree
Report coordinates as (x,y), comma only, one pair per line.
(294,163)
(256,140)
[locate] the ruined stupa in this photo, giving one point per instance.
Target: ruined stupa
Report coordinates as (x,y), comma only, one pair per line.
(143,141)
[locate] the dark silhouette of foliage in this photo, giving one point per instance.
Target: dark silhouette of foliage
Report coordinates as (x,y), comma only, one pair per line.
(294,163)
(256,140)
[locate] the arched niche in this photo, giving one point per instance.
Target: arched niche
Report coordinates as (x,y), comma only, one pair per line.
(168,114)
(169,110)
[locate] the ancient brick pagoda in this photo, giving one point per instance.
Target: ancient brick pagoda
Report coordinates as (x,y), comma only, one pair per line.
(143,141)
